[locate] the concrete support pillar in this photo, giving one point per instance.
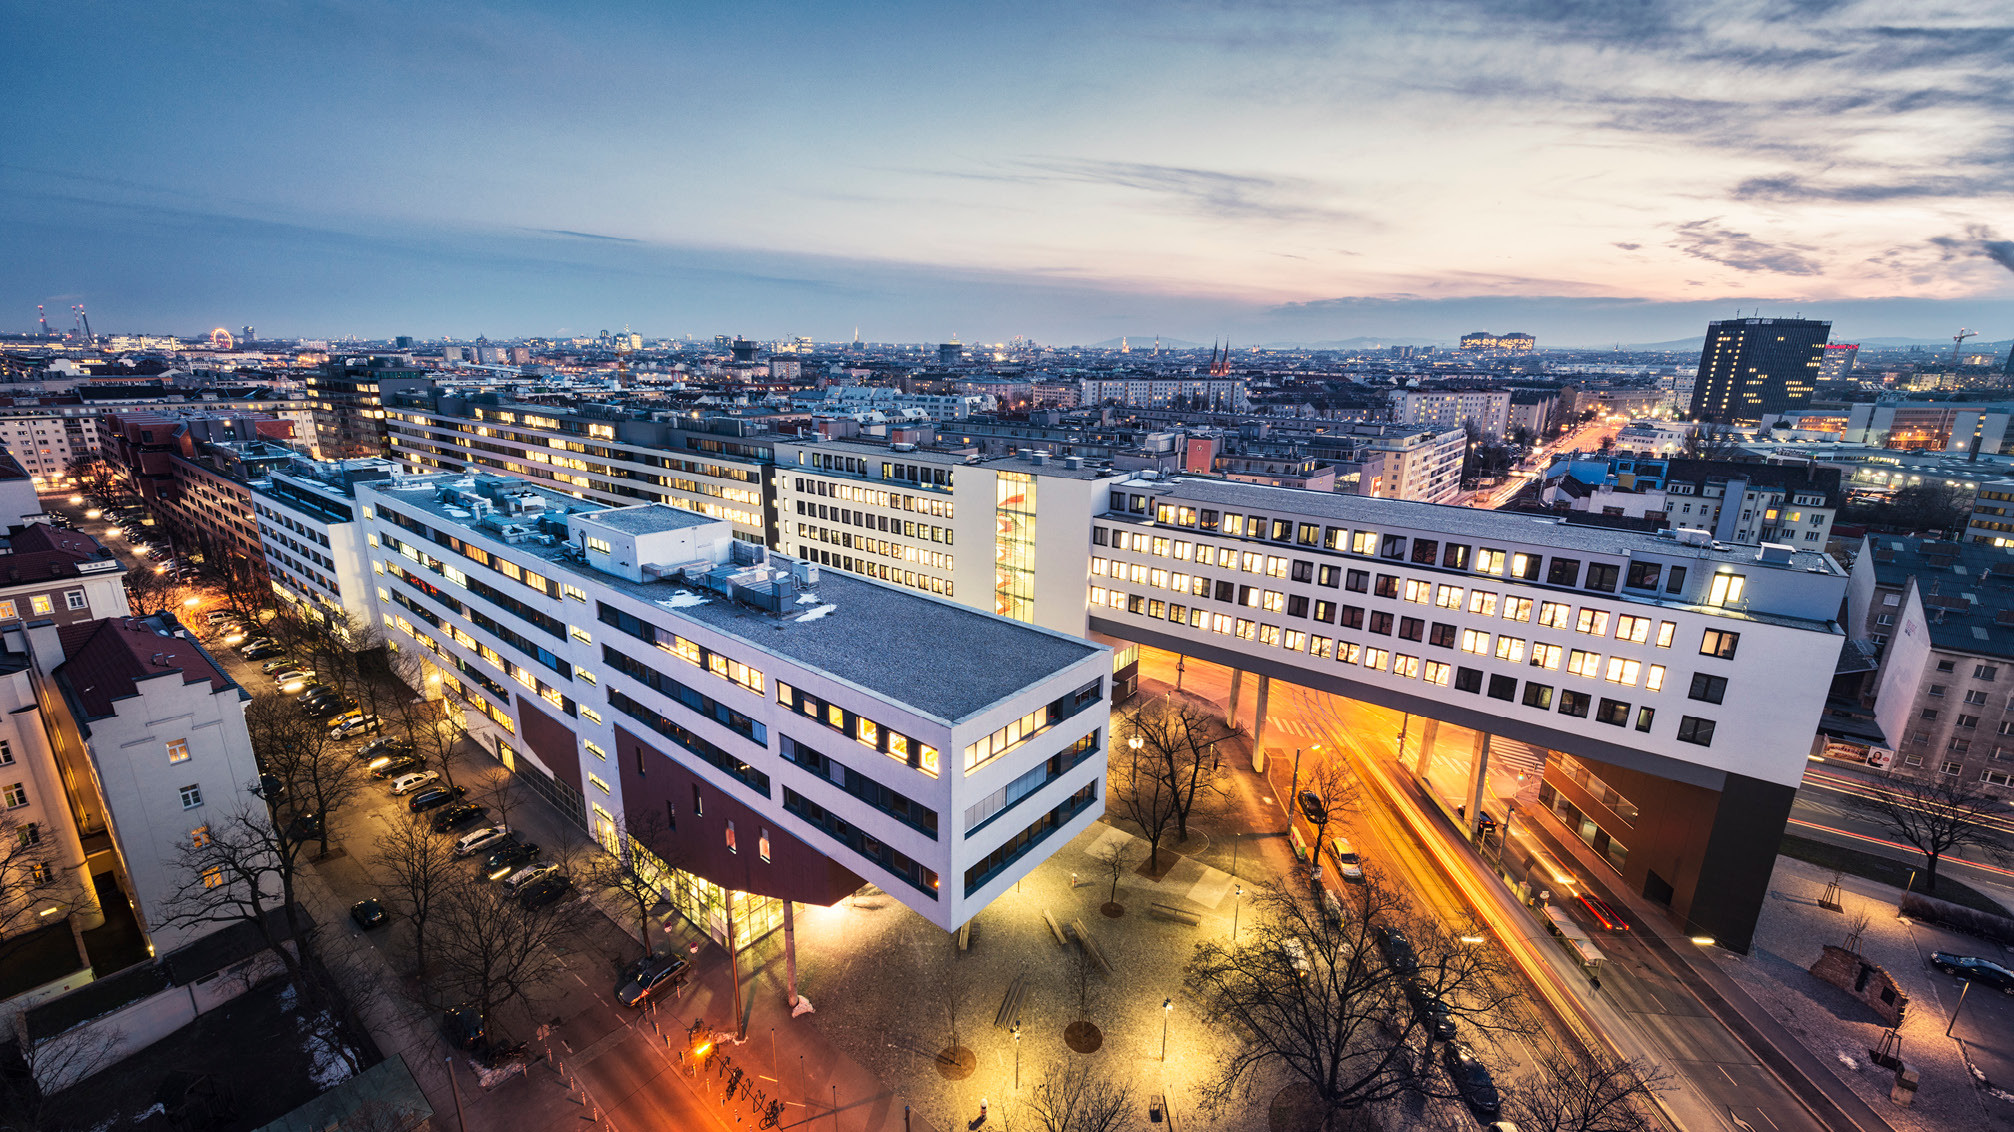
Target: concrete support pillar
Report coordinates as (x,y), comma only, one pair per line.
(1479,766)
(1429,728)
(790,949)
(1259,720)
(1237,684)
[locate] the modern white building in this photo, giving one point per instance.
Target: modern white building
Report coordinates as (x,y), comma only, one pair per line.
(789,731)
(1225,394)
(1452,408)
(313,544)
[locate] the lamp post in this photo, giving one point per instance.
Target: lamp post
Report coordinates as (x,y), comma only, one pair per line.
(1959,1009)
(1017,1054)
(1235,909)
(1168,1008)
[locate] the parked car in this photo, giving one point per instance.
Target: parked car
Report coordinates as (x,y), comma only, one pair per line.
(476,841)
(508,859)
(1605,917)
(529,874)
(368,914)
(254,642)
(292,675)
(354,726)
(544,891)
(416,780)
(1432,1012)
(434,798)
(261,652)
(652,977)
(328,706)
(1472,1080)
(1978,970)
(1398,950)
(1313,808)
(1347,861)
(378,747)
(281,665)
(461,815)
(390,766)
(217,616)
(1295,951)
(463,1027)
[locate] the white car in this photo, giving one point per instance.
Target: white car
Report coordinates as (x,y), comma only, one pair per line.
(528,874)
(481,839)
(407,783)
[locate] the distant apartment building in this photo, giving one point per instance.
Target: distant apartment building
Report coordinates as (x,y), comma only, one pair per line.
(791,732)
(349,397)
(1535,411)
(1430,407)
(313,544)
(48,439)
(1226,394)
(1752,367)
(1482,341)
(1970,428)
(1421,465)
(1836,363)
(1743,504)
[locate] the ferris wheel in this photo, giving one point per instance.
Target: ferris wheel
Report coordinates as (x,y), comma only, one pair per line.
(221,339)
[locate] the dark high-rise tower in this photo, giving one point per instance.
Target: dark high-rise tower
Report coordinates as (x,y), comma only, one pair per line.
(1751,367)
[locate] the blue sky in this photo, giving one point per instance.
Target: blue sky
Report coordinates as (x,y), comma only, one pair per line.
(1588,170)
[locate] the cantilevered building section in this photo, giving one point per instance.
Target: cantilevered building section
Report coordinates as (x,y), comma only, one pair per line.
(1653,695)
(1751,367)
(778,731)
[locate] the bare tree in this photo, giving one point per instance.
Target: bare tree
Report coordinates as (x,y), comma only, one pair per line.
(1330,780)
(32,881)
(1143,796)
(406,710)
(316,776)
(242,869)
(1319,994)
(492,948)
(1115,859)
(1574,1092)
(646,848)
(1077,1095)
(156,589)
(418,868)
(36,1078)
(1179,740)
(1937,816)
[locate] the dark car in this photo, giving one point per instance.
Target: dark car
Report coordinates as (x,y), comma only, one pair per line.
(334,705)
(463,1027)
(1313,808)
(545,890)
(396,767)
(1398,950)
(377,747)
(652,978)
(459,815)
(306,827)
(261,652)
(1604,916)
(509,859)
(270,787)
(1978,970)
(313,692)
(434,798)
(368,914)
(1472,1080)
(1431,1010)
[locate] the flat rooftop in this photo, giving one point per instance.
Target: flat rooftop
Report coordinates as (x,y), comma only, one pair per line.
(649,518)
(944,659)
(1446,520)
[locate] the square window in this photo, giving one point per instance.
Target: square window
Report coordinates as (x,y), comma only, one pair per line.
(1469,679)
(1563,572)
(1692,729)
(1537,695)
(1613,711)
(1502,687)
(1720,643)
(74,599)
(1574,703)
(192,796)
(178,750)
(1711,689)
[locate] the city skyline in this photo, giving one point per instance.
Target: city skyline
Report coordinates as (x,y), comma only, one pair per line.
(1072,175)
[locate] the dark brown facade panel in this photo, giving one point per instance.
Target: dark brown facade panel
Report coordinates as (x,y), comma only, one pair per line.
(550,740)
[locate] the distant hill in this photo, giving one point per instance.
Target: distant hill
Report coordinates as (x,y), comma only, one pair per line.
(1146,341)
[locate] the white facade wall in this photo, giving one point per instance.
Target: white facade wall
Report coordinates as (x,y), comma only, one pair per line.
(1488,408)
(313,558)
(31,790)
(47,438)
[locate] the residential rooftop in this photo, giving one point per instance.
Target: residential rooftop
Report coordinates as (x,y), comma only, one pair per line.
(105,660)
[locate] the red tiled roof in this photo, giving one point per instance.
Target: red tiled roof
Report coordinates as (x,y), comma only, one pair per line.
(39,551)
(104,660)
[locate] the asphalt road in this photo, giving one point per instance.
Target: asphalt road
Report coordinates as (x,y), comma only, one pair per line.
(1821,811)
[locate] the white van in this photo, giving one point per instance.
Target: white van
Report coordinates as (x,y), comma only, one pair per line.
(478,840)
(1347,861)
(528,874)
(407,783)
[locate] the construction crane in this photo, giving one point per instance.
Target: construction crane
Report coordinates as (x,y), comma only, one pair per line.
(42,317)
(1958,342)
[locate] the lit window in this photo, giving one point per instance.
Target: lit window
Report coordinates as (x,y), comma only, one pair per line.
(178,750)
(40,603)
(598,783)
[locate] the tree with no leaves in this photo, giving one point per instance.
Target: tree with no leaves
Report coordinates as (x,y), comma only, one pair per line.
(418,867)
(1937,816)
(1312,995)
(1328,777)
(317,776)
(406,711)
(1115,859)
(1143,796)
(1179,740)
(1579,1093)
(492,949)
(1076,1095)
(32,879)
(646,846)
(241,869)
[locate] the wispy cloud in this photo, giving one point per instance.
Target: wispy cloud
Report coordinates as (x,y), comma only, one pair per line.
(1978,241)
(582,235)
(1714,242)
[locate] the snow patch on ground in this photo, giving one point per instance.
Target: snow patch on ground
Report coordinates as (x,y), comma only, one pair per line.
(816,613)
(806,599)
(682,599)
(1848,1061)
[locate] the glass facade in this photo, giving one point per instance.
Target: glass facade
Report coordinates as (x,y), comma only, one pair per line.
(1014,546)
(704,903)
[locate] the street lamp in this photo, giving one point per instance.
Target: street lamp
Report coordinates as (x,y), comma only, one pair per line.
(1168,1008)
(1236,907)
(1017,1053)
(1955,1012)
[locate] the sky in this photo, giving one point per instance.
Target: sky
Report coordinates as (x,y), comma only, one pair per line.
(1590,171)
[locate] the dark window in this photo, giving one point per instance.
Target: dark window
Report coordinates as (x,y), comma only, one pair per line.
(1330,577)
(1537,695)
(1470,679)
(1353,618)
(1139,505)
(1325,611)
(1207,521)
(1393,546)
(1303,571)
(1574,703)
(1643,717)
(1708,688)
(1297,606)
(1503,687)
(1720,643)
(1613,711)
(1388,585)
(1412,628)
(1532,562)
(1097,533)
(1359,582)
(1644,575)
(1442,635)
(1424,550)
(1564,572)
(1674,580)
(1455,556)
(1381,622)
(1692,729)
(1227,591)
(1601,576)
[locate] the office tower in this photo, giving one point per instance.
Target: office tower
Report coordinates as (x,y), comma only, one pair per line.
(1751,367)
(1837,361)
